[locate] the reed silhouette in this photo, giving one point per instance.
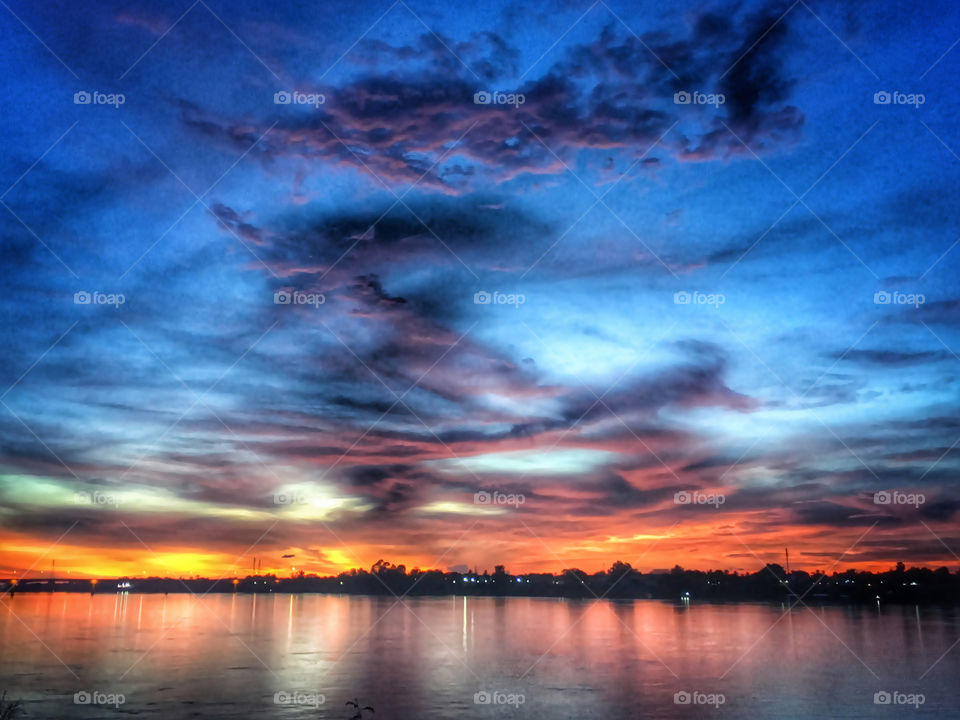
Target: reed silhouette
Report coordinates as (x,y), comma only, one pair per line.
(355,704)
(9,709)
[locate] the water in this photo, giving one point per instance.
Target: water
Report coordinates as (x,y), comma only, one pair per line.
(226,656)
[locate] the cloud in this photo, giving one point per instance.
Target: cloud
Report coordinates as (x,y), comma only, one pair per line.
(890,358)
(404,120)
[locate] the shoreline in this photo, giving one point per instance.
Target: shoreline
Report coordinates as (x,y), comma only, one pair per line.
(913,586)
(679,602)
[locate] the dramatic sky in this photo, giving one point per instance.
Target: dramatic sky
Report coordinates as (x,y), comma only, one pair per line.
(198,423)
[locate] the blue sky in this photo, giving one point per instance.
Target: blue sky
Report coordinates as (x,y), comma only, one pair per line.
(811,225)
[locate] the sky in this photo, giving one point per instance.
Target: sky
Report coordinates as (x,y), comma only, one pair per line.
(457,285)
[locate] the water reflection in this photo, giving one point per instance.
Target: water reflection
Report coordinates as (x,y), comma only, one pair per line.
(226,656)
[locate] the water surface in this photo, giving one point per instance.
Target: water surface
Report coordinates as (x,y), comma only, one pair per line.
(228,656)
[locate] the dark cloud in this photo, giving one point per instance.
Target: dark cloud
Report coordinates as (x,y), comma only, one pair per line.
(941,510)
(421,124)
(837,515)
(938,312)
(891,358)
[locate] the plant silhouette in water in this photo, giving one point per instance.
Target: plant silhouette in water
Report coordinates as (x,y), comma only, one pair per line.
(355,704)
(9,709)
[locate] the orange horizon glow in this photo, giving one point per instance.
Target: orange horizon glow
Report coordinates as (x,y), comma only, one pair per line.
(24,558)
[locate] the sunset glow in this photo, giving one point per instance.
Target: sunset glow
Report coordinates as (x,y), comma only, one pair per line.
(478,297)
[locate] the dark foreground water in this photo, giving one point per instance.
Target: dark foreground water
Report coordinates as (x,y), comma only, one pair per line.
(276,656)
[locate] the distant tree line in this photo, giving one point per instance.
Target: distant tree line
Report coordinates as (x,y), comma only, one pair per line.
(772,583)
